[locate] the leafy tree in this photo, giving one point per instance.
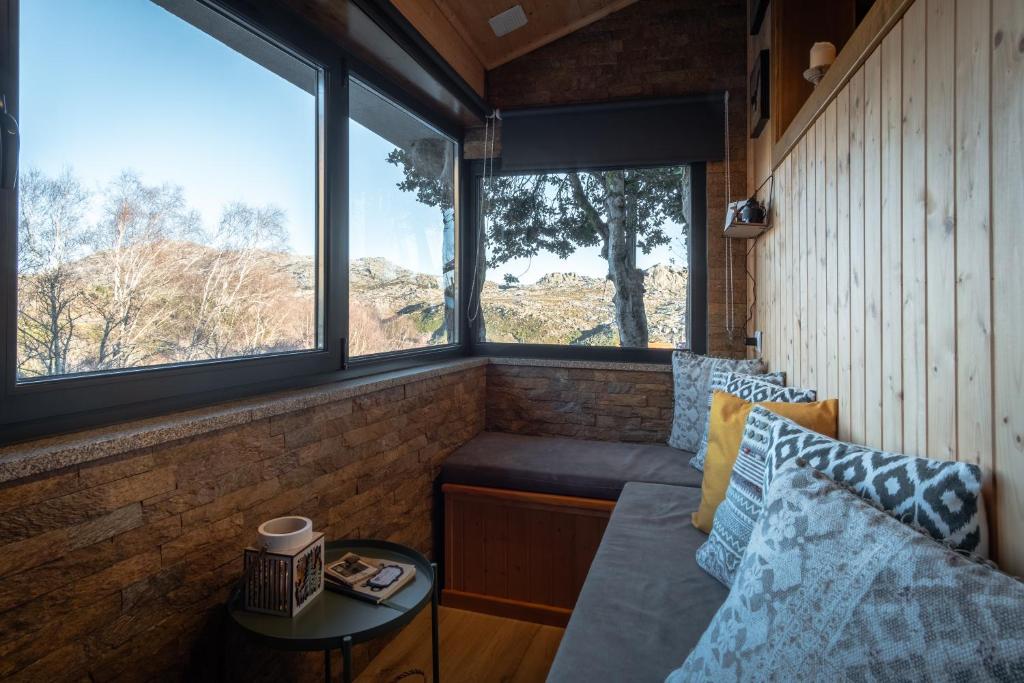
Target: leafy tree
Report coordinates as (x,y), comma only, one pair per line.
(427,167)
(621,211)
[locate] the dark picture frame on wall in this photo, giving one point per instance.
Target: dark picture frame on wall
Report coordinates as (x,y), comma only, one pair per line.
(759,93)
(757,9)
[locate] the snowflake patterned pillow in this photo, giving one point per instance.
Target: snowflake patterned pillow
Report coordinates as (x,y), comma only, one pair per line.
(691,374)
(942,497)
(833,589)
(751,388)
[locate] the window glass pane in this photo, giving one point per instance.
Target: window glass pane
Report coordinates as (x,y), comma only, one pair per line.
(402,229)
(168,190)
(559,247)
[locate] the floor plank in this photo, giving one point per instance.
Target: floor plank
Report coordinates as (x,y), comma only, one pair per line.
(474,648)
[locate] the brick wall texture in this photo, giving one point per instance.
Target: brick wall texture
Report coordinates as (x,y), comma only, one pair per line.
(608,405)
(655,48)
(119,570)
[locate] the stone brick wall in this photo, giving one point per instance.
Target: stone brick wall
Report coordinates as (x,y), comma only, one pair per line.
(119,569)
(654,48)
(603,402)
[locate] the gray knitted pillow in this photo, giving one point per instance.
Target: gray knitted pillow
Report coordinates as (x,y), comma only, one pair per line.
(691,375)
(833,589)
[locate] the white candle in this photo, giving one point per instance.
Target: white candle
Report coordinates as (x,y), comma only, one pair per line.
(822,54)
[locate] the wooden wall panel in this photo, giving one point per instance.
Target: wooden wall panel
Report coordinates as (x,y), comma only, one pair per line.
(892,242)
(940,284)
(914,358)
(873,250)
(855,400)
(1008,295)
(973,266)
(899,218)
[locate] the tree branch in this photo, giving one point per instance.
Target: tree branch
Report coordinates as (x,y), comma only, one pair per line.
(592,215)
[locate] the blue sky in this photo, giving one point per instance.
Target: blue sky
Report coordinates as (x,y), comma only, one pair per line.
(110,85)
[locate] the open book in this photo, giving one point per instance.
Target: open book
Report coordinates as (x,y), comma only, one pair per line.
(368,578)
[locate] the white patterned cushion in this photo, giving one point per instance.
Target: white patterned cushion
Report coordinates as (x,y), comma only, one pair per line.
(942,497)
(833,589)
(691,374)
(752,388)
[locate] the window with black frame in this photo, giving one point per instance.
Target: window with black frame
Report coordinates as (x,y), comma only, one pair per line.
(587,258)
(168,197)
(403,286)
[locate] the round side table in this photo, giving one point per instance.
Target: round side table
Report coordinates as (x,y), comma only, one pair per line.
(338,621)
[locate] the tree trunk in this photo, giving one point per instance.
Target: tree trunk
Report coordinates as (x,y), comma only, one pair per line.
(630,315)
(448,275)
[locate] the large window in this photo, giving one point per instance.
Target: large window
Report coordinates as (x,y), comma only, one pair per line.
(402,229)
(168,193)
(588,258)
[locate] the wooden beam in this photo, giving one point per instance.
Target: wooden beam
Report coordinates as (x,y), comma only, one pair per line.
(437,30)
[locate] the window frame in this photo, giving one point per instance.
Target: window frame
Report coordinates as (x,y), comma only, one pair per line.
(391,94)
(95,399)
(696,290)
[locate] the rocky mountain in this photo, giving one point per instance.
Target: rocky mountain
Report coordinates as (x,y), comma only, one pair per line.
(560,308)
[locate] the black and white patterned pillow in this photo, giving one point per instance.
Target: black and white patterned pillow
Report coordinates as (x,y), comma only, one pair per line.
(755,389)
(691,373)
(940,496)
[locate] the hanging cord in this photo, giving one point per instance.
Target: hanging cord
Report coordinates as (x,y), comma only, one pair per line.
(490,124)
(730,294)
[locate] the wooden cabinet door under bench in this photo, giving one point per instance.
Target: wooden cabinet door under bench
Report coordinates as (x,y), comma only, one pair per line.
(518,554)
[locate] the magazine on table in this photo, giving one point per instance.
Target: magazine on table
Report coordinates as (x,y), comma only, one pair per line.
(368,578)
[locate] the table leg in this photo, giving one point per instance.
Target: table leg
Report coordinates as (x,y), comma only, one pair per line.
(327,666)
(434,638)
(346,656)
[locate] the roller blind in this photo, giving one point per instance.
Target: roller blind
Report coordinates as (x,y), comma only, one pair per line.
(614,135)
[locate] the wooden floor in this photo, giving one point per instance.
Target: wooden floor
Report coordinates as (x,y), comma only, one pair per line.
(475,648)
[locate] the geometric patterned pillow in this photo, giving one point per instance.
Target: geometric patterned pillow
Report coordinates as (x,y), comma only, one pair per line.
(833,589)
(690,376)
(753,389)
(942,497)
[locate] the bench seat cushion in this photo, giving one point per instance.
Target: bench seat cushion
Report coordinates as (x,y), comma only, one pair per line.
(568,467)
(645,603)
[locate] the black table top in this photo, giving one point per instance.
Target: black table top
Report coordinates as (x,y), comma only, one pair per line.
(332,616)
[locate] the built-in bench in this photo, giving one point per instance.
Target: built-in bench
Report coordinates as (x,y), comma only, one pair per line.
(524,516)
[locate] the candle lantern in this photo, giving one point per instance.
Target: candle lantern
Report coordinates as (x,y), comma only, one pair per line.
(286,572)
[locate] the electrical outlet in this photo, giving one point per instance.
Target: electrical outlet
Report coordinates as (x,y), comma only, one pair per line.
(756,340)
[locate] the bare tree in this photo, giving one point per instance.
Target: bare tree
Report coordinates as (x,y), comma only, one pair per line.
(137,243)
(238,309)
(50,239)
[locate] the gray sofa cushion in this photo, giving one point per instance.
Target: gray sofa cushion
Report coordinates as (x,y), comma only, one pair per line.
(645,603)
(568,467)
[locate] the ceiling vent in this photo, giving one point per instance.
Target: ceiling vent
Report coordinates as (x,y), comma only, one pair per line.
(508,21)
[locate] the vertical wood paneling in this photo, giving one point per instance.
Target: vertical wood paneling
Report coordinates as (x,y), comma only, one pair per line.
(973,267)
(940,283)
(820,252)
(810,262)
(892,242)
(843,354)
(831,260)
(901,226)
(1008,297)
(873,250)
(793,262)
(855,400)
(915,391)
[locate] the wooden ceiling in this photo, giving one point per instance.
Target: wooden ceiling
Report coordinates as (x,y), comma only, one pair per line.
(459,31)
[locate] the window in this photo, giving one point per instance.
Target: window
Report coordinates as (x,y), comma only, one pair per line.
(168,191)
(402,229)
(588,258)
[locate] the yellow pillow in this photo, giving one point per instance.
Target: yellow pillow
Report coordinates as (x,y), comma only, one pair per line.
(728,417)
